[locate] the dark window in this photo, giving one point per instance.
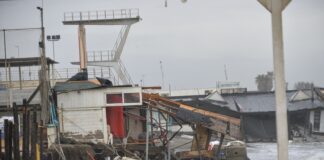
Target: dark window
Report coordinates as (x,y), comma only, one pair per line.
(317,120)
(114,98)
(131,97)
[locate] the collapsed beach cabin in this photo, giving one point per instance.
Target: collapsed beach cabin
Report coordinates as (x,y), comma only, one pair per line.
(88,111)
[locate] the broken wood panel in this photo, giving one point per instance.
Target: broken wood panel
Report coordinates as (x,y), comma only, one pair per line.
(195,154)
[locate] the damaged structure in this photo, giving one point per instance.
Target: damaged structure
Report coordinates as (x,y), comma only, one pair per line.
(257,111)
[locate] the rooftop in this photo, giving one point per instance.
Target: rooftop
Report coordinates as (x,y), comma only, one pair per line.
(29,61)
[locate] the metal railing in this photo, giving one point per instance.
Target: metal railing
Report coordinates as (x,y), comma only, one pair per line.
(124,70)
(101,15)
(119,38)
(29,77)
(104,55)
(59,73)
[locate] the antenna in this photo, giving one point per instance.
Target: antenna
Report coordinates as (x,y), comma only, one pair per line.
(162,73)
(142,80)
(225,71)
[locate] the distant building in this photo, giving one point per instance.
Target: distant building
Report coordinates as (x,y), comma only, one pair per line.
(257,111)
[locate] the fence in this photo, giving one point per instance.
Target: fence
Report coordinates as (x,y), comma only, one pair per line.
(101,15)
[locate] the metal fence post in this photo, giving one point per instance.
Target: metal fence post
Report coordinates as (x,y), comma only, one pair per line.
(16,132)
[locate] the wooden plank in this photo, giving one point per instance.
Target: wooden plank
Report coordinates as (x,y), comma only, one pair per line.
(195,154)
(220,123)
(156,97)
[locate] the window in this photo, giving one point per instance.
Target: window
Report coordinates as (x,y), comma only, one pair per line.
(131,98)
(317,120)
(114,98)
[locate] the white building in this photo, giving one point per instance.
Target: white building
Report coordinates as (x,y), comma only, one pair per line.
(93,113)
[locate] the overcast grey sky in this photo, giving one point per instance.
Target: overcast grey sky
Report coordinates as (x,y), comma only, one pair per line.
(194,40)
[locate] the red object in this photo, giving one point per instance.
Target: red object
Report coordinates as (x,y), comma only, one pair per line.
(115,117)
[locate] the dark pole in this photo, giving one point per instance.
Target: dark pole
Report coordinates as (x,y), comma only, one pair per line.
(27,134)
(1,144)
(7,140)
(16,132)
(53,50)
(34,134)
(25,131)
(41,148)
(219,146)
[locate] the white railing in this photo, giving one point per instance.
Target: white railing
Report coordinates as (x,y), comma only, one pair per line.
(59,73)
(105,55)
(120,37)
(101,15)
(124,70)
(29,78)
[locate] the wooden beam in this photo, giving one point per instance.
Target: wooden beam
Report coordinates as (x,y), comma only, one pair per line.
(219,123)
(195,154)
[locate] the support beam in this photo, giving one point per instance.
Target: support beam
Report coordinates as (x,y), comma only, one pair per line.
(202,140)
(121,74)
(276,7)
(43,72)
(82,48)
(121,42)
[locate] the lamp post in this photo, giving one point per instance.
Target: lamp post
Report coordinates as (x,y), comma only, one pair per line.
(275,7)
(53,39)
(17,46)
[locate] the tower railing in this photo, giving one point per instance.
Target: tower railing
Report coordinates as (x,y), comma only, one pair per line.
(124,70)
(101,15)
(101,55)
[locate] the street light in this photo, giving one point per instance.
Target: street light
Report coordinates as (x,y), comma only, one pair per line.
(53,38)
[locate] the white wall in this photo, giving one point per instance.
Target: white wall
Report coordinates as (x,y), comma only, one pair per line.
(88,123)
(311,119)
(83,112)
(322,121)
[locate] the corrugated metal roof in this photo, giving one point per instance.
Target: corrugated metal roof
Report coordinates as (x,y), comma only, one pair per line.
(252,102)
(265,102)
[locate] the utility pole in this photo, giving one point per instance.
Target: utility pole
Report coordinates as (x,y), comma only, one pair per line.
(43,76)
(275,7)
(162,74)
(225,71)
